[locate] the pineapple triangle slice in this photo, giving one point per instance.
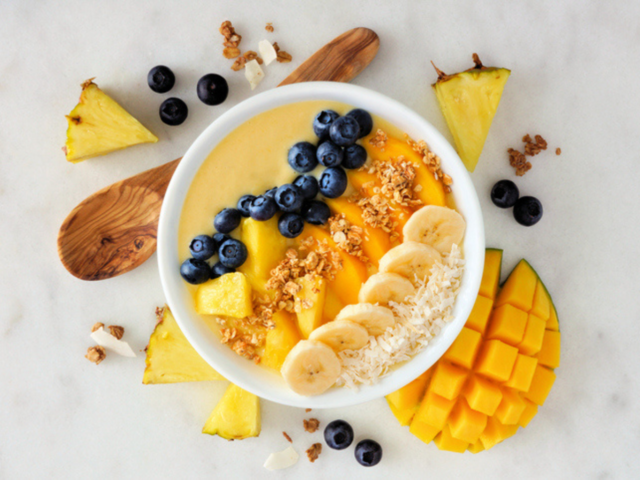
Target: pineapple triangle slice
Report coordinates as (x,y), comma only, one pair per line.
(171,358)
(469,101)
(98,125)
(236,416)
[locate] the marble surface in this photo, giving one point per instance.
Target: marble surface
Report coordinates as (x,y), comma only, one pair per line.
(575,68)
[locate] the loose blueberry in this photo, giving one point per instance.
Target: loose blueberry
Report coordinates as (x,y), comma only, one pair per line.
(195,271)
(344,131)
(316,212)
(212,89)
(368,453)
(322,122)
(364,121)
(302,157)
(354,156)
(219,269)
(308,185)
(338,435)
(227,220)
(289,198)
(527,211)
(263,208)
(329,154)
(161,79)
(244,204)
(220,238)
(504,194)
(333,182)
(290,225)
(203,247)
(173,111)
(271,193)
(232,253)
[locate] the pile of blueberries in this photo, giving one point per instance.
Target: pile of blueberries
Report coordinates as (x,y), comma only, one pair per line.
(339,435)
(212,90)
(526,210)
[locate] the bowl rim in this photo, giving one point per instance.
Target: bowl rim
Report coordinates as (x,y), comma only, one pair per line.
(268,385)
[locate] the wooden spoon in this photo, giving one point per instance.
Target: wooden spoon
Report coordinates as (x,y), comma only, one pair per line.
(114,230)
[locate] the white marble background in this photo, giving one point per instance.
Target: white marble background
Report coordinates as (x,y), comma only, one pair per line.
(575,74)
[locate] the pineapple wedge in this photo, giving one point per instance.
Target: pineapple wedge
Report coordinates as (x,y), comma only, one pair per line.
(171,358)
(98,125)
(236,416)
(229,295)
(469,101)
(313,290)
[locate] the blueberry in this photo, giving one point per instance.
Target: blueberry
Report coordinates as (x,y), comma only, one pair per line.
(329,154)
(527,211)
(220,238)
(232,253)
(308,185)
(212,89)
(244,203)
(289,198)
(364,121)
(271,193)
(316,212)
(227,220)
(338,435)
(173,111)
(354,156)
(263,208)
(344,131)
(504,194)
(323,121)
(333,182)
(368,453)
(302,157)
(161,79)
(203,247)
(219,269)
(290,225)
(195,271)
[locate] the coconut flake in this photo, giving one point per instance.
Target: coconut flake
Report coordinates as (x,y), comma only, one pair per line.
(284,459)
(267,52)
(107,340)
(253,73)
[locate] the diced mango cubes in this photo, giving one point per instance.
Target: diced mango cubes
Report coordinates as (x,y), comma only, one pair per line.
(479,316)
(533,334)
(549,354)
(491,273)
(228,295)
(510,408)
(507,324)
(465,423)
(446,441)
(434,409)
(530,410)
(496,360)
(522,373)
(519,289)
(541,384)
(447,380)
(483,395)
(404,402)
(464,349)
(541,302)
(423,431)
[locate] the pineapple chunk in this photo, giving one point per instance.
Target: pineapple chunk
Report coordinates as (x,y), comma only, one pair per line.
(280,340)
(171,358)
(314,291)
(236,416)
(266,248)
(228,295)
(98,125)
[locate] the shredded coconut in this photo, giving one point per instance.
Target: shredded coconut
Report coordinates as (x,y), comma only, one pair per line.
(418,320)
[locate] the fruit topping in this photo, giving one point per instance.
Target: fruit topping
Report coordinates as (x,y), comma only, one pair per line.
(212,89)
(322,122)
(329,154)
(266,248)
(504,194)
(232,253)
(220,238)
(316,212)
(439,227)
(227,220)
(308,185)
(203,247)
(365,122)
(341,335)
(368,453)
(338,435)
(288,197)
(161,79)
(244,204)
(355,156)
(374,318)
(382,288)
(195,271)
(228,295)
(290,225)
(219,269)
(412,260)
(302,157)
(344,131)
(527,211)
(173,111)
(333,182)
(271,193)
(263,208)
(310,368)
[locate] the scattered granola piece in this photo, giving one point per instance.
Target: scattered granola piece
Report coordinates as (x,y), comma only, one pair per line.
(518,161)
(379,140)
(96,354)
(238,64)
(348,237)
(96,326)
(231,38)
(231,52)
(375,212)
(397,181)
(531,147)
(251,55)
(269,27)
(286,435)
(116,330)
(282,56)
(311,425)
(558,151)
(314,451)
(307,410)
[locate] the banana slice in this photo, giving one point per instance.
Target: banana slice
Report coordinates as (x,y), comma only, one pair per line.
(384,287)
(310,368)
(410,259)
(341,335)
(374,318)
(439,227)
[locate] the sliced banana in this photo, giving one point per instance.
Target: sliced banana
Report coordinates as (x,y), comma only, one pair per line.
(439,227)
(341,335)
(374,318)
(410,259)
(310,368)
(385,287)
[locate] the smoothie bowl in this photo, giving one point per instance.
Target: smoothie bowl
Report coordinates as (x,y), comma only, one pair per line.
(320,245)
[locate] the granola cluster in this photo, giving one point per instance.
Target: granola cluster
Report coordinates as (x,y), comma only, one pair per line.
(232,48)
(311,425)
(532,147)
(432,161)
(379,140)
(96,354)
(282,56)
(269,27)
(518,161)
(375,212)
(397,181)
(314,451)
(231,40)
(348,237)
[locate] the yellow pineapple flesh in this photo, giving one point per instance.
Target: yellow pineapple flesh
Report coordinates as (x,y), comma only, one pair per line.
(99,125)
(236,416)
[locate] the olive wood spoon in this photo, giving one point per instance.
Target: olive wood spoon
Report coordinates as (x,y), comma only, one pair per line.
(114,230)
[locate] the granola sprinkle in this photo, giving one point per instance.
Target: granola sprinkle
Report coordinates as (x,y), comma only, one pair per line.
(231,38)
(311,425)
(375,212)
(314,451)
(531,147)
(379,140)
(282,56)
(518,161)
(431,160)
(558,151)
(348,237)
(97,326)
(117,331)
(397,181)
(96,354)
(286,435)
(269,28)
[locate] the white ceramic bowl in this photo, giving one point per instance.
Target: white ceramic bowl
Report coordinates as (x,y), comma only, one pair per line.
(259,380)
